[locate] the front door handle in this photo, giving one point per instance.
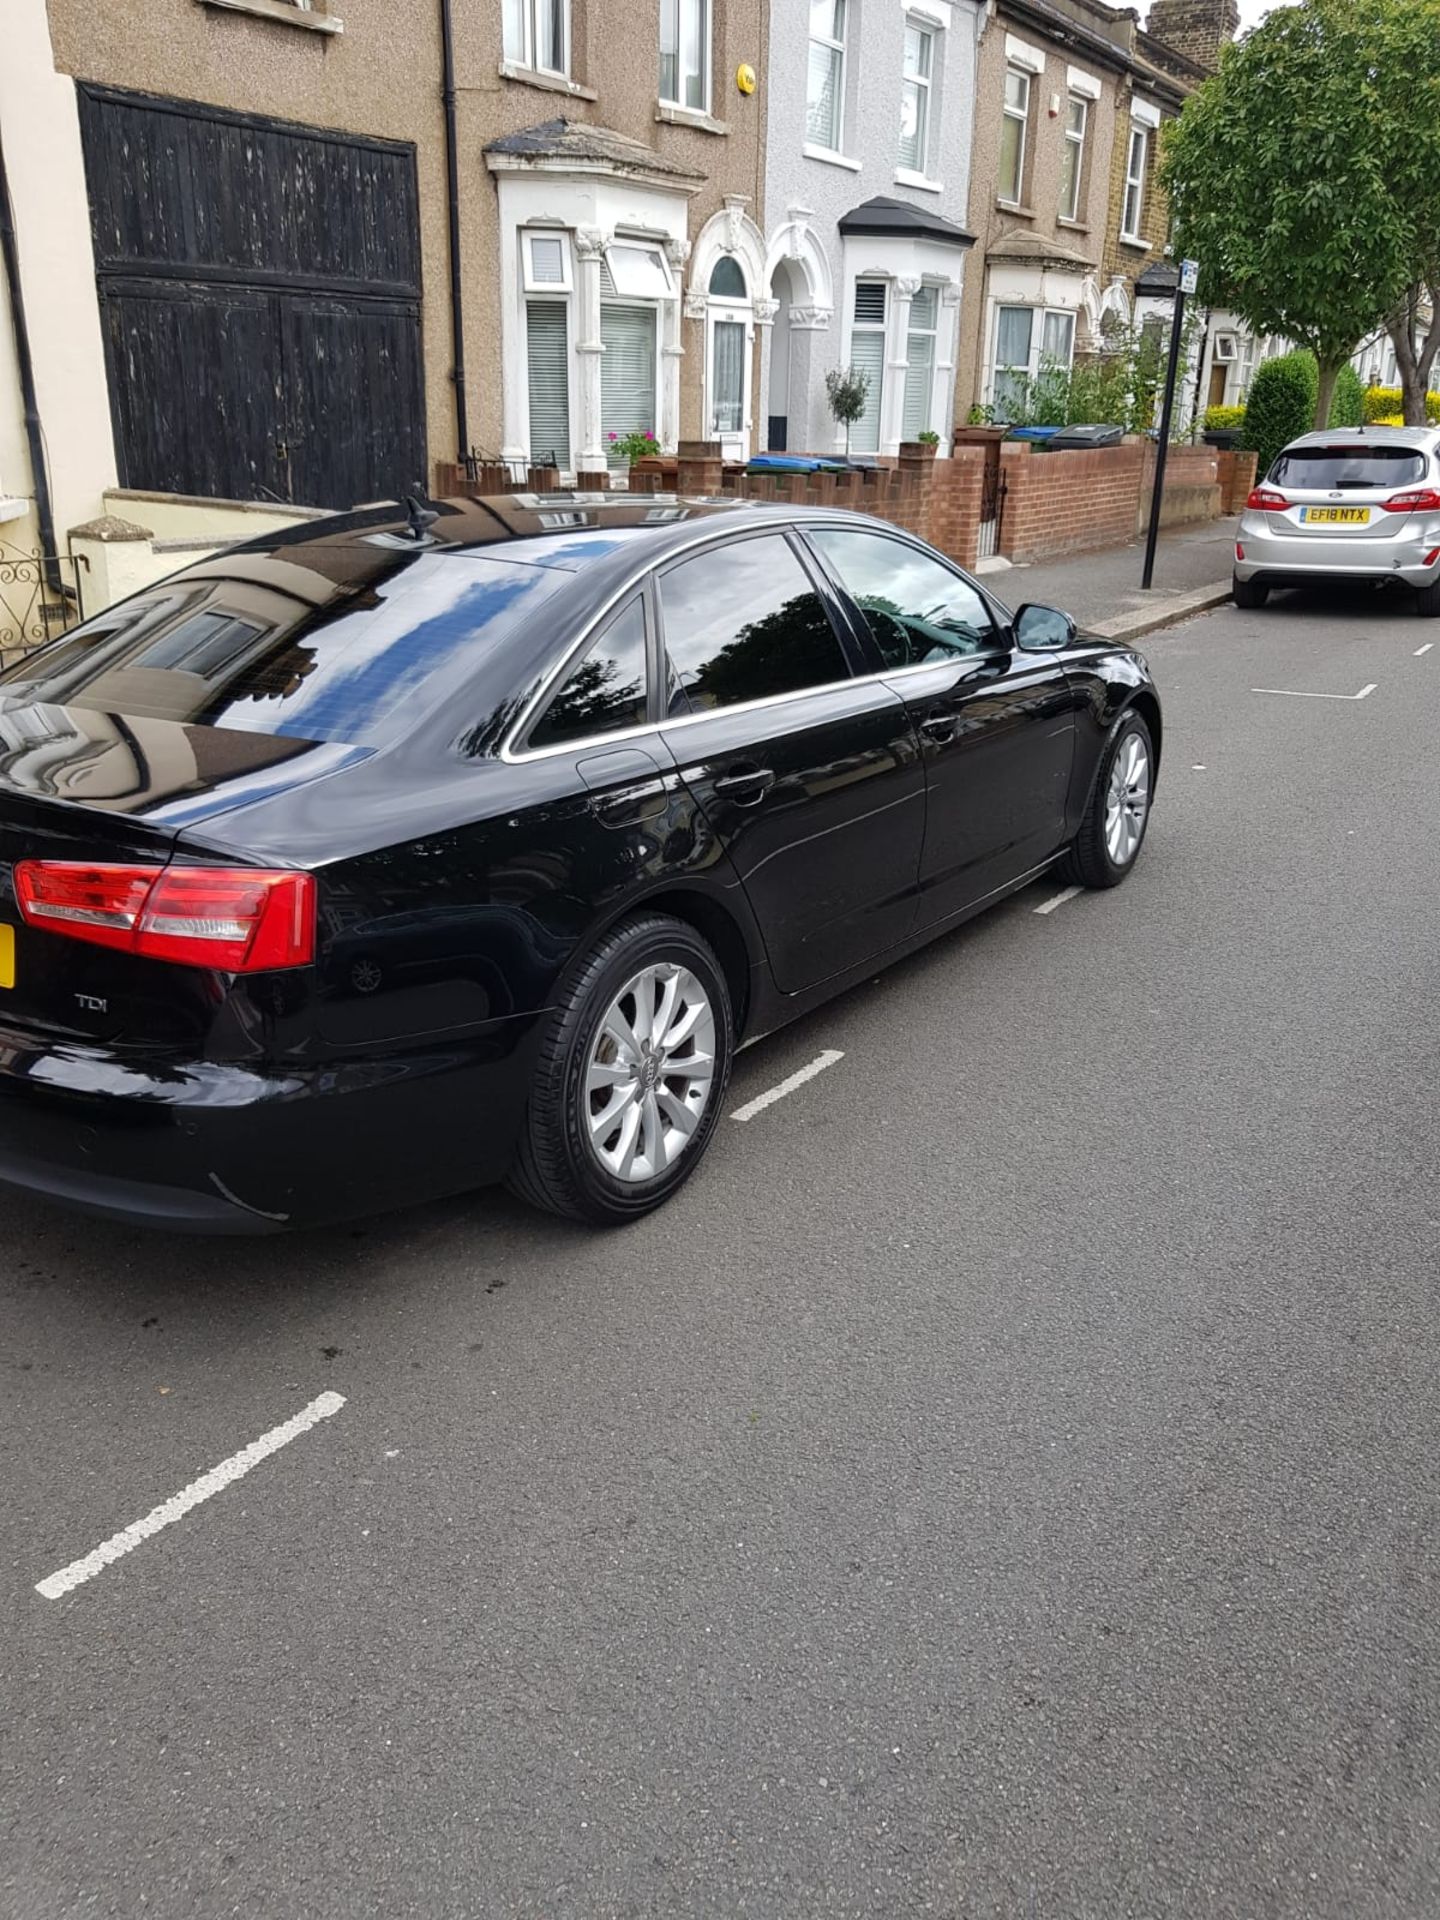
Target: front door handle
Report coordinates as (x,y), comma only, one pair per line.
(747,787)
(940,726)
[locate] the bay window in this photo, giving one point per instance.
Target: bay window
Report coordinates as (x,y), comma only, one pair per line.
(867,355)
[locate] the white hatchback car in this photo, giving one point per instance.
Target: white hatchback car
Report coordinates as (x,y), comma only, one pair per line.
(1354,503)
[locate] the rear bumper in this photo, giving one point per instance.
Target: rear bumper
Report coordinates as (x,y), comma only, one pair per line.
(206,1148)
(1291,556)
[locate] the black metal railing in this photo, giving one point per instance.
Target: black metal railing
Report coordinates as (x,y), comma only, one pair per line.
(41,594)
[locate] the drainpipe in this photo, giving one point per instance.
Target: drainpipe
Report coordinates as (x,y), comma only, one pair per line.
(34,440)
(452,174)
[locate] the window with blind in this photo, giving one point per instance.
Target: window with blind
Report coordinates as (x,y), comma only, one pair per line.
(627,370)
(867,355)
(920,356)
(547,345)
(825,80)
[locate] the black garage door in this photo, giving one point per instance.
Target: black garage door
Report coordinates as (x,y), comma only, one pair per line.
(260,296)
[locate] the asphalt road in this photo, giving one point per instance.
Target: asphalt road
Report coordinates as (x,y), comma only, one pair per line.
(1004,1483)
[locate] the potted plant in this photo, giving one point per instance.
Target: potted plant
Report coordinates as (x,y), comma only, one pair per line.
(633,449)
(1223,426)
(929,438)
(981,429)
(847,388)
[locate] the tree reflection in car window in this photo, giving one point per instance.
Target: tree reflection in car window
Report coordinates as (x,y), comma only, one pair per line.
(918,610)
(743,622)
(605,691)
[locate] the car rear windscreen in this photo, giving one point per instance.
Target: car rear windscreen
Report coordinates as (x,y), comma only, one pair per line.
(329,646)
(1340,467)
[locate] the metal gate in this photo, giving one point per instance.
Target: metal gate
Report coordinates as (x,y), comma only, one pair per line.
(992,508)
(41,594)
(260,297)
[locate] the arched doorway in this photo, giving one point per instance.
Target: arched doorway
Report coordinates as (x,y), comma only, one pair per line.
(786,296)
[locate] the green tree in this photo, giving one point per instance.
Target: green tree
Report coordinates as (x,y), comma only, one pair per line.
(847,388)
(1287,182)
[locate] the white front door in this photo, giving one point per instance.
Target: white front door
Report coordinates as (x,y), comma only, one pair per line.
(727,361)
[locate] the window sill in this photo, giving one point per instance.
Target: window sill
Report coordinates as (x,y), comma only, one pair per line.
(1135,246)
(1072,226)
(546,82)
(1014,206)
(907,177)
(828,157)
(671,115)
(310,20)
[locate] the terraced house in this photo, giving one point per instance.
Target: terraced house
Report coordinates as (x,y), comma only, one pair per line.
(1070,222)
(305,252)
(868,159)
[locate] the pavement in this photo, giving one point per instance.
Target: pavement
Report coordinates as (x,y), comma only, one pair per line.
(1102,590)
(1003,1482)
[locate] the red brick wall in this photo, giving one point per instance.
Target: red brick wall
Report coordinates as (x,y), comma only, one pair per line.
(1068,502)
(1237,477)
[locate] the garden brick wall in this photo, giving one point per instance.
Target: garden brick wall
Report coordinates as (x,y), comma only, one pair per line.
(1055,503)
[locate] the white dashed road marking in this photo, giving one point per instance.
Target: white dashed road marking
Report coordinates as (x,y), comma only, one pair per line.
(1293,693)
(175,1508)
(1058,900)
(764,1100)
(1425,649)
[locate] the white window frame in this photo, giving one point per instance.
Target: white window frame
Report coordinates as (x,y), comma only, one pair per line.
(1031,368)
(924,84)
(1139,142)
(1076,142)
(882,328)
(1007,112)
(521,51)
(549,289)
(831,46)
(701,9)
(632,295)
(932,333)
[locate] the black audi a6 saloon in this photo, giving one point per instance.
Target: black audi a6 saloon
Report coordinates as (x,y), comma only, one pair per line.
(378,860)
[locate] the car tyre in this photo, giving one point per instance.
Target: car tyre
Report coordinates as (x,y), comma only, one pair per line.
(1118,812)
(1427,600)
(627,1043)
(1249,594)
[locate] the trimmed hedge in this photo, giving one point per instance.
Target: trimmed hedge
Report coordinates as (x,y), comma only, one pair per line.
(1224,419)
(1280,405)
(1385,406)
(1347,403)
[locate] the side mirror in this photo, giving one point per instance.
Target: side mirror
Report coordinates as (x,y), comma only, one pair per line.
(1043,629)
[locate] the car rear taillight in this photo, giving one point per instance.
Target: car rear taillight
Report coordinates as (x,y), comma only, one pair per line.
(1417,500)
(234,919)
(1239,551)
(1266,500)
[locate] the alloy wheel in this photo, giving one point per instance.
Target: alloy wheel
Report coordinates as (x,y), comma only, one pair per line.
(1127,800)
(650,1073)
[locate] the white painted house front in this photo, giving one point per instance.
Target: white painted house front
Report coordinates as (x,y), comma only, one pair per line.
(867,179)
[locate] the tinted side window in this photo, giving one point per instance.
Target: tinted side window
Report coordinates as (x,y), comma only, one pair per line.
(917,609)
(743,622)
(604,692)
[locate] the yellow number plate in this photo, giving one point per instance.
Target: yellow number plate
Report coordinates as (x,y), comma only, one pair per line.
(7,956)
(1335,516)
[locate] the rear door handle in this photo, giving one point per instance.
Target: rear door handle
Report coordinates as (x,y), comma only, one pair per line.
(745,788)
